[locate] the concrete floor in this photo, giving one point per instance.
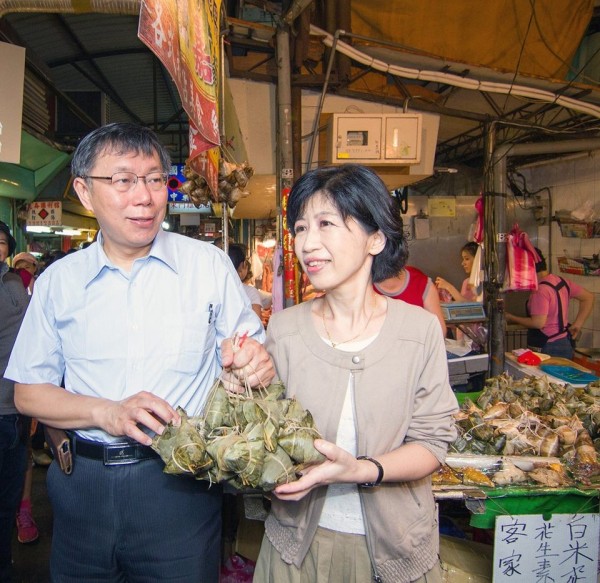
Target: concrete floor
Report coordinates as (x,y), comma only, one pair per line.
(31,561)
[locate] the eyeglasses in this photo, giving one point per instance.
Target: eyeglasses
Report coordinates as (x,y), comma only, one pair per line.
(125,181)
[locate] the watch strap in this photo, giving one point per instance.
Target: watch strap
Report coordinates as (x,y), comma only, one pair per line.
(379,469)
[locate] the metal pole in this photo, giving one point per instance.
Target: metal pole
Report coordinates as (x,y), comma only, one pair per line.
(322,100)
(494,244)
(220,104)
(285,166)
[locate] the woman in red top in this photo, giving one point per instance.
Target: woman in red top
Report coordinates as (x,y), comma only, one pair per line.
(414,287)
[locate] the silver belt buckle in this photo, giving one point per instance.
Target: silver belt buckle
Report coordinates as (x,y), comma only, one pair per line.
(118,454)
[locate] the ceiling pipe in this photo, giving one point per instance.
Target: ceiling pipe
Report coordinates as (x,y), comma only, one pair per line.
(499,191)
(528,92)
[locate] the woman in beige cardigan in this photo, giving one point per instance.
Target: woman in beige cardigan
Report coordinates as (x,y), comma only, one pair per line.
(373,372)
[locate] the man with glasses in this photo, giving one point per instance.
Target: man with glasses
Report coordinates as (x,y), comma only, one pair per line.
(138,324)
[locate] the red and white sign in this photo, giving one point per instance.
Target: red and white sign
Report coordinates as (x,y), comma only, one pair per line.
(47,213)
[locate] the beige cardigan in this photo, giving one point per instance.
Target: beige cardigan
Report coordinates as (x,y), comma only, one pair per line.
(402,394)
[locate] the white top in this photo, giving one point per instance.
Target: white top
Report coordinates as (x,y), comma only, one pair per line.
(253,294)
(342,510)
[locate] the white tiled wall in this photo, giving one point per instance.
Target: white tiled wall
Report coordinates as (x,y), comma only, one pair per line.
(572,182)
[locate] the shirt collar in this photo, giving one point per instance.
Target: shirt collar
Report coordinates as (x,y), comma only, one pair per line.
(161,250)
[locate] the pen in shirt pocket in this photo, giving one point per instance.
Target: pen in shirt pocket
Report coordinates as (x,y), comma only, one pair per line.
(210,313)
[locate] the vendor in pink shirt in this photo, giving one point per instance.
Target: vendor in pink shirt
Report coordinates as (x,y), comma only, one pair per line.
(548,313)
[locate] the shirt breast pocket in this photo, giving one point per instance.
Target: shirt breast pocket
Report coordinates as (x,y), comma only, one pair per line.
(187,354)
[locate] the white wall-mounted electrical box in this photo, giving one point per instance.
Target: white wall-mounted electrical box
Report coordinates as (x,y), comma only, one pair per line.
(399,146)
(374,138)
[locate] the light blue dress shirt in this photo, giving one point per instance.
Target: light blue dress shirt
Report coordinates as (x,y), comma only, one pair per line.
(112,334)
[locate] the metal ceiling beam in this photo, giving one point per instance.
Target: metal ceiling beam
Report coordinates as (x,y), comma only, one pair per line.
(519,125)
(105,84)
(39,69)
(96,55)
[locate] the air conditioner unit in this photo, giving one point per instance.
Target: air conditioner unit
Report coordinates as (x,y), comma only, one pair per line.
(400,147)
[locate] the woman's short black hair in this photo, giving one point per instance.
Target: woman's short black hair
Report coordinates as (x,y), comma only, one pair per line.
(237,255)
(358,193)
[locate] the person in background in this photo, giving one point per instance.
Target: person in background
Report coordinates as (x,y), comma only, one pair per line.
(138,324)
(547,321)
(238,258)
(466,293)
(413,286)
(14,427)
(220,242)
(25,264)
(266,298)
(373,373)
(49,258)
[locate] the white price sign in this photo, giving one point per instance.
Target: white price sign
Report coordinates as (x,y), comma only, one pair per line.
(562,549)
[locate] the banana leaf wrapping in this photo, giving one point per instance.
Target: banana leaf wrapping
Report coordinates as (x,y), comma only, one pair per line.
(183,448)
(253,440)
(217,412)
(298,444)
(278,469)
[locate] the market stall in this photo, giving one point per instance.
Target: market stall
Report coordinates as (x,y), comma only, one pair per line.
(526,448)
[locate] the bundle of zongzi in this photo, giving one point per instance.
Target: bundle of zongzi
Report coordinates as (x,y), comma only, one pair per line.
(256,439)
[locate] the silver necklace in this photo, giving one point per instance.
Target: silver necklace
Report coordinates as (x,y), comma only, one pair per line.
(335,344)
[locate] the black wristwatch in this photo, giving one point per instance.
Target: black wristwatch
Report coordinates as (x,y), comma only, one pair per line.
(379,469)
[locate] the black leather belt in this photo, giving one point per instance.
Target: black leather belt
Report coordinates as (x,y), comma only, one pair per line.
(112,454)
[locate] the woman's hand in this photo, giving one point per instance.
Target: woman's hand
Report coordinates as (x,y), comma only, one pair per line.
(441,283)
(339,467)
(249,363)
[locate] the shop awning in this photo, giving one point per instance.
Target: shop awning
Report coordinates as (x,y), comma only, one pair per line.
(40,162)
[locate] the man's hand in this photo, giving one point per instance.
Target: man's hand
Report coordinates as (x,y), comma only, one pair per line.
(142,409)
(248,364)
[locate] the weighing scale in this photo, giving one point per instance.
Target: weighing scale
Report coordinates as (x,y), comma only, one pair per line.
(463,369)
(463,312)
(460,313)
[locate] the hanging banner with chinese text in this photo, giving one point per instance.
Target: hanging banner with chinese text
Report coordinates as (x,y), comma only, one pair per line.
(184,35)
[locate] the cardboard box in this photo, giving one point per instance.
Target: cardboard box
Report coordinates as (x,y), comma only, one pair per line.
(249,537)
(465,561)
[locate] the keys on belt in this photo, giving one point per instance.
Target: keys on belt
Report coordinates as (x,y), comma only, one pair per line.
(112,454)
